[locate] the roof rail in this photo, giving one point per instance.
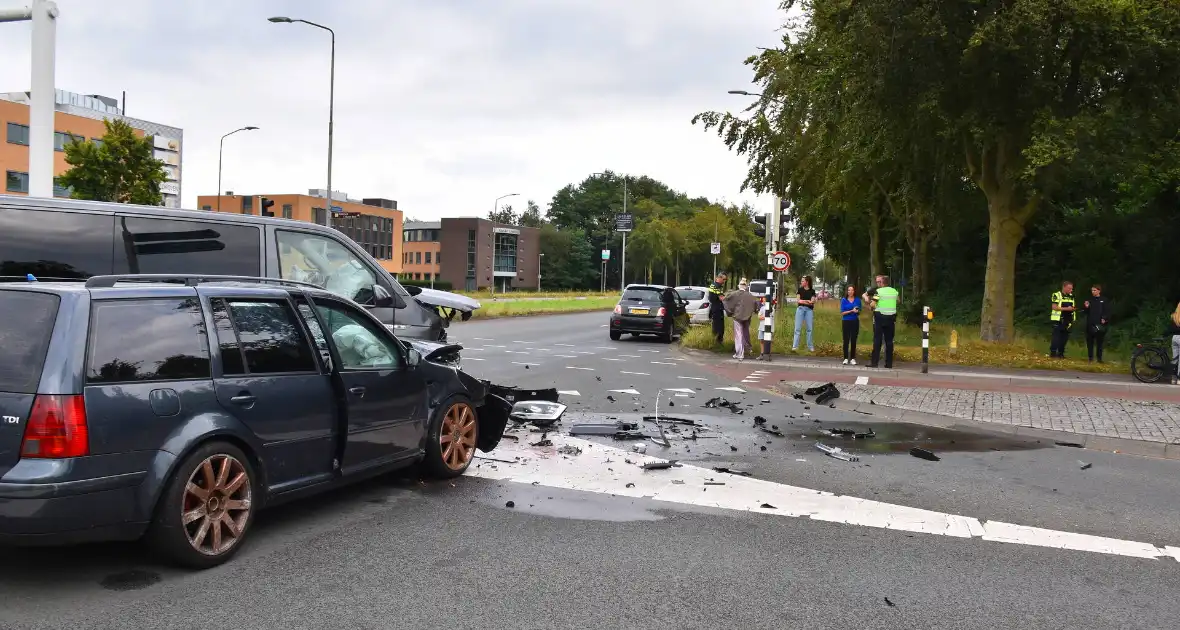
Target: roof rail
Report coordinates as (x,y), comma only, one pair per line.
(25,278)
(191,280)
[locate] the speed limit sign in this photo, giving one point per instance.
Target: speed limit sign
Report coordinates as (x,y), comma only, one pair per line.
(781,261)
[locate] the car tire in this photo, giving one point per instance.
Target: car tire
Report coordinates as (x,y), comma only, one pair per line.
(615,335)
(666,337)
(452,438)
(214,490)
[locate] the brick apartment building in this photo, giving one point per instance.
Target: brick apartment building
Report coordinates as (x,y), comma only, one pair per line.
(482,254)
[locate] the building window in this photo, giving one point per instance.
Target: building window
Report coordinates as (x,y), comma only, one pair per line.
(417,276)
(428,258)
(64,192)
(417,258)
(247,205)
(97,141)
(16,182)
(505,253)
(62,138)
(206,207)
(286,211)
(470,255)
(18,134)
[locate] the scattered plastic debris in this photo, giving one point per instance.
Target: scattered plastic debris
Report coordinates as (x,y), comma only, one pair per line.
(719,403)
(1070,444)
(766,401)
(733,448)
(660,465)
(922,453)
(630,485)
(678,482)
(1085,465)
(836,452)
(758,420)
(797,396)
(510,504)
(639,448)
(767,506)
(714,483)
(740,473)
(889,603)
(544,441)
(774,432)
(497,459)
(569,449)
(672,419)
(841,432)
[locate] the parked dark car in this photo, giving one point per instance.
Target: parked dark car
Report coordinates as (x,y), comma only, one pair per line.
(649,309)
(131,407)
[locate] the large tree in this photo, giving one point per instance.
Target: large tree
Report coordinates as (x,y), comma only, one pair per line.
(1007,93)
(121,168)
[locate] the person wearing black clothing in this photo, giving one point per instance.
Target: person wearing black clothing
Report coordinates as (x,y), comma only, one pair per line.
(1097,315)
(716,308)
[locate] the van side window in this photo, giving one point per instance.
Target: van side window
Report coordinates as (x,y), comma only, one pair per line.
(326,263)
(171,246)
(53,244)
(147,340)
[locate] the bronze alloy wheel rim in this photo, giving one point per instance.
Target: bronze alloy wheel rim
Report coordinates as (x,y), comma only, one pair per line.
(216,505)
(457,436)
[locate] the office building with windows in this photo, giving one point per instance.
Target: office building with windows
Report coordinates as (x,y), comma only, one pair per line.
(79,116)
(422,251)
(371,222)
(487,255)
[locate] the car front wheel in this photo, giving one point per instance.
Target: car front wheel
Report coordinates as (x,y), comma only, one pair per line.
(450,443)
(207,507)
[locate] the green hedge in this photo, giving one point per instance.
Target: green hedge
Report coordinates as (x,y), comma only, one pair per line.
(441,285)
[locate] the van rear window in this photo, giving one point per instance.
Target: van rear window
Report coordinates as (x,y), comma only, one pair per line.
(26,324)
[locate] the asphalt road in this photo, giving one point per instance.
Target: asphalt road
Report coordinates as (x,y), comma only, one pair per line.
(579,549)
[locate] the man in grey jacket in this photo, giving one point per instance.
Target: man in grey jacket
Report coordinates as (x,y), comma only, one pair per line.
(742,306)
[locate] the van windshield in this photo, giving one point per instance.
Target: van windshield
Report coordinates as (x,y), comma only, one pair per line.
(26,323)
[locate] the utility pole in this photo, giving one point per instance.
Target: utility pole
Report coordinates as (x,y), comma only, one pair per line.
(623,271)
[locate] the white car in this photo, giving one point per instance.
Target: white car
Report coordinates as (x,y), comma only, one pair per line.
(698,303)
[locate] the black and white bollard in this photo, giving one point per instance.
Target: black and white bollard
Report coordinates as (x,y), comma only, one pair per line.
(766,327)
(926,317)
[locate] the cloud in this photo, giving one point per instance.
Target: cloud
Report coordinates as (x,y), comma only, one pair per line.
(442,105)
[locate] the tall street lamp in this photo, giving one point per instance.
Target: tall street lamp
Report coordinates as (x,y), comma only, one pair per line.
(496,203)
(220,149)
(540,257)
(623,256)
(331,102)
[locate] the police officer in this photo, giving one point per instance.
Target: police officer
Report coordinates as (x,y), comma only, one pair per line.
(716,308)
(884,300)
(1061,318)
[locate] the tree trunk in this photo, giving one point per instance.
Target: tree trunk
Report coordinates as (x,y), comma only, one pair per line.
(1004,233)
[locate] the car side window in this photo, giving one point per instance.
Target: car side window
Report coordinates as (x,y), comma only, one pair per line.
(270,338)
(147,340)
(326,263)
(362,344)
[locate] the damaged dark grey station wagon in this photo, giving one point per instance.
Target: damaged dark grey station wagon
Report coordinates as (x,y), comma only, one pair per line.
(173,408)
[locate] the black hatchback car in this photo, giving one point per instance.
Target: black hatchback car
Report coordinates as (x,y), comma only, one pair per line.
(649,309)
(176,408)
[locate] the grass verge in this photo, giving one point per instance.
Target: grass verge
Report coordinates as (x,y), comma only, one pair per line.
(492,310)
(516,295)
(1026,352)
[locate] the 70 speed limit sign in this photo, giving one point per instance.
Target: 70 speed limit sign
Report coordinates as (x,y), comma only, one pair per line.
(781,261)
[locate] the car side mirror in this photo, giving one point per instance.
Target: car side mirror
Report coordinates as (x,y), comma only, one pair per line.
(413,357)
(382,298)
(540,412)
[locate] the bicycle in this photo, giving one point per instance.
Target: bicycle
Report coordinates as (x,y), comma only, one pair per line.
(1150,362)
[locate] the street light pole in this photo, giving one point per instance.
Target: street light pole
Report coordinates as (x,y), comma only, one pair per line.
(540,257)
(220,149)
(331,103)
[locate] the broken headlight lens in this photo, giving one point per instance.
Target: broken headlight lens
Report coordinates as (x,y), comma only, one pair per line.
(539,412)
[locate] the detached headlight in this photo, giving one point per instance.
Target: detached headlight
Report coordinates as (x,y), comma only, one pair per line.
(539,412)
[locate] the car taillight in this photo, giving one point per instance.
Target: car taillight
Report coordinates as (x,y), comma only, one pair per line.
(56,428)
(662,312)
(618,309)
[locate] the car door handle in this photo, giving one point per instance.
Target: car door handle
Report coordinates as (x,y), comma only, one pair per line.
(357,391)
(243,399)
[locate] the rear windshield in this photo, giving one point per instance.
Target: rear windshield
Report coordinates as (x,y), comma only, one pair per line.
(26,323)
(691,294)
(642,295)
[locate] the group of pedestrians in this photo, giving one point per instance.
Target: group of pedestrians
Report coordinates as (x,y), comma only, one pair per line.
(1062,315)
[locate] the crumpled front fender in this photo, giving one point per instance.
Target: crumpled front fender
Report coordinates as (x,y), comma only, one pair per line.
(493,419)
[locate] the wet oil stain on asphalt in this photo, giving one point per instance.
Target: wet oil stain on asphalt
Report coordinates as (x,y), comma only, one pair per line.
(132,580)
(900,437)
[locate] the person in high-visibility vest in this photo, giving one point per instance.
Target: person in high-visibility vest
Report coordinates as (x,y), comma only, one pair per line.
(716,307)
(1061,318)
(884,300)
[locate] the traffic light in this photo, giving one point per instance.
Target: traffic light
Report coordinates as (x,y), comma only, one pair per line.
(265,205)
(760,225)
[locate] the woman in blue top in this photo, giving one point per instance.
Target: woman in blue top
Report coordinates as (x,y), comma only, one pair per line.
(850,312)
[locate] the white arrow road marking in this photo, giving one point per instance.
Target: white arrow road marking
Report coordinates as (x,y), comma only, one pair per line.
(598,470)
(634,373)
(568,392)
(731,389)
(571,367)
(693,378)
(633,392)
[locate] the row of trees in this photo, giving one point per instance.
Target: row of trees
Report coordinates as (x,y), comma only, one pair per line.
(669,245)
(973,135)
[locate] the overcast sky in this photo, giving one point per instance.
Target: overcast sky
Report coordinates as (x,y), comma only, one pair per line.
(443,105)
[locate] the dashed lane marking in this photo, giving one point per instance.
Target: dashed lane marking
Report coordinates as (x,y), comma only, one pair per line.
(573,367)
(514,352)
(693,378)
(730,389)
(634,373)
(630,356)
(633,392)
(661,363)
(610,359)
(598,470)
(482,339)
(682,390)
(473,359)
(568,392)
(564,345)
(567,356)
(518,363)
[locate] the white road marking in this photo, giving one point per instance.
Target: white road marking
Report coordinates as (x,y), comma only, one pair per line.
(603,348)
(571,367)
(598,470)
(482,339)
(633,392)
(634,373)
(564,345)
(661,363)
(473,359)
(495,346)
(862,380)
(580,352)
(682,390)
(524,342)
(514,352)
(693,378)
(630,356)
(568,392)
(749,381)
(567,356)
(610,359)
(731,389)
(649,350)
(516,363)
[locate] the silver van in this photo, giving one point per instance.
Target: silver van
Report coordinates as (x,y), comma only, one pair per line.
(69,239)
